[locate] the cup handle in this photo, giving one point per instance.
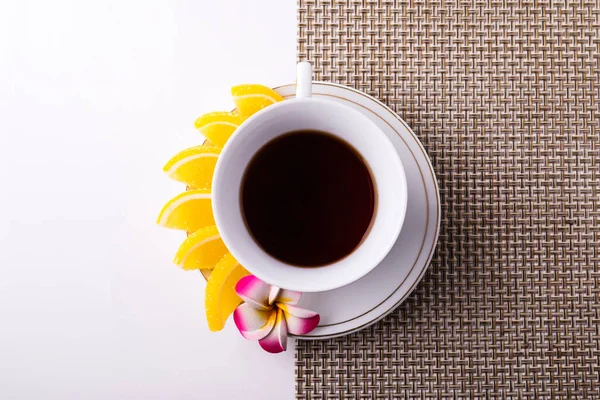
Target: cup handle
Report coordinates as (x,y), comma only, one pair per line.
(303,80)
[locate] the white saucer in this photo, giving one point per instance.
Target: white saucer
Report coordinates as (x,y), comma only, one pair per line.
(366,301)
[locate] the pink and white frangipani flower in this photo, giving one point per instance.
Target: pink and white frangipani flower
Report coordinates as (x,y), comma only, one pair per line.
(269,313)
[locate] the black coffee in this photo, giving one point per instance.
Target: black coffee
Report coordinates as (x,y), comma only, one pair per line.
(308,198)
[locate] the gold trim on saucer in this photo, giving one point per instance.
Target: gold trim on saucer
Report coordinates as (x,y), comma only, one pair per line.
(206,273)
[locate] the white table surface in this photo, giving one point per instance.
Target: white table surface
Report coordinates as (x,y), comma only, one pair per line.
(94,98)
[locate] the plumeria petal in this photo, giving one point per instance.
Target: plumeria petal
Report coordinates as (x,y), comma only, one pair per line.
(273,293)
(276,340)
(270,313)
(252,323)
(254,292)
(296,311)
(288,296)
(301,326)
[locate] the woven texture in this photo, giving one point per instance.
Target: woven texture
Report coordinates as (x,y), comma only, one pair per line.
(505,97)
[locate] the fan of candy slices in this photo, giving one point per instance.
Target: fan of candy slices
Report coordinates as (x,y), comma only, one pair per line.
(261,312)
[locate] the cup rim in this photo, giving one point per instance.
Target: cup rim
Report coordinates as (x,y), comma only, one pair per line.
(307,285)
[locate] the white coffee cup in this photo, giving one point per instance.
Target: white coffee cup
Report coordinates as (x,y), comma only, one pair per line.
(310,113)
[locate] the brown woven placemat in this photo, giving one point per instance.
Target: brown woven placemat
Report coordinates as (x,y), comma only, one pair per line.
(505,97)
